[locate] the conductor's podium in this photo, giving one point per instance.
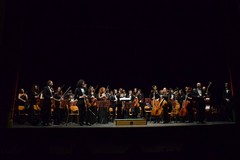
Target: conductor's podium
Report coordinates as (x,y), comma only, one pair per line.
(137,121)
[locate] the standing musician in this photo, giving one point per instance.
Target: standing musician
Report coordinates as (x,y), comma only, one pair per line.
(81,95)
(48,93)
(175,105)
(227,108)
(23,100)
(186,113)
(168,96)
(128,104)
(113,101)
(120,104)
(155,100)
(35,101)
(92,108)
(136,104)
(103,106)
(141,102)
(57,113)
(199,97)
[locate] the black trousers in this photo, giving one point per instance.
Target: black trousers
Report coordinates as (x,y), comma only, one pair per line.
(46,111)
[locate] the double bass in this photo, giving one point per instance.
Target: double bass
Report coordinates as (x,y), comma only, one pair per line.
(207,102)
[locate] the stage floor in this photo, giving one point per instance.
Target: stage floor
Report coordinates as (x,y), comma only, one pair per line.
(113,125)
(214,140)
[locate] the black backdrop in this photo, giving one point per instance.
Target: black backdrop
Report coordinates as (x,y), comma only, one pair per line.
(119,44)
(146,43)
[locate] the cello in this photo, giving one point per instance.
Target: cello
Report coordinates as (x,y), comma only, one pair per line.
(157,109)
(183,111)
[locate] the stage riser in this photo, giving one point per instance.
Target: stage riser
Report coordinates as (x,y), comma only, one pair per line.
(130,122)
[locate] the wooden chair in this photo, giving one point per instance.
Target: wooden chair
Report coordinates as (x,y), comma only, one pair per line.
(22,114)
(148,109)
(71,112)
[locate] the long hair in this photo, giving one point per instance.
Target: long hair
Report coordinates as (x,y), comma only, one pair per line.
(80,83)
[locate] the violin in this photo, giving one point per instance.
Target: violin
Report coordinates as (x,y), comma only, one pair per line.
(136,102)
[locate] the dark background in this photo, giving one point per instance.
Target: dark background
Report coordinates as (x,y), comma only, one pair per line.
(128,45)
(120,44)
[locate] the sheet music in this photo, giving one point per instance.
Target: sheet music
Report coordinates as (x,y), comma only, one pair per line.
(125,99)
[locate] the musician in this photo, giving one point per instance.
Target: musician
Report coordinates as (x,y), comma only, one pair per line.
(81,95)
(227,108)
(92,108)
(154,96)
(120,103)
(181,96)
(23,100)
(48,93)
(167,95)
(127,104)
(189,106)
(57,113)
(34,97)
(199,95)
(136,104)
(141,101)
(113,101)
(103,108)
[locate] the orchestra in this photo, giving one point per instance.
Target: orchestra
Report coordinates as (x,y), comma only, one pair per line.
(104,105)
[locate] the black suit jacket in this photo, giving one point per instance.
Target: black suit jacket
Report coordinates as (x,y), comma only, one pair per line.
(47,94)
(78,93)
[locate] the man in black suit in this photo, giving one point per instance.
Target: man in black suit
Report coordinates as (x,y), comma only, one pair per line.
(228,103)
(199,95)
(81,95)
(47,102)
